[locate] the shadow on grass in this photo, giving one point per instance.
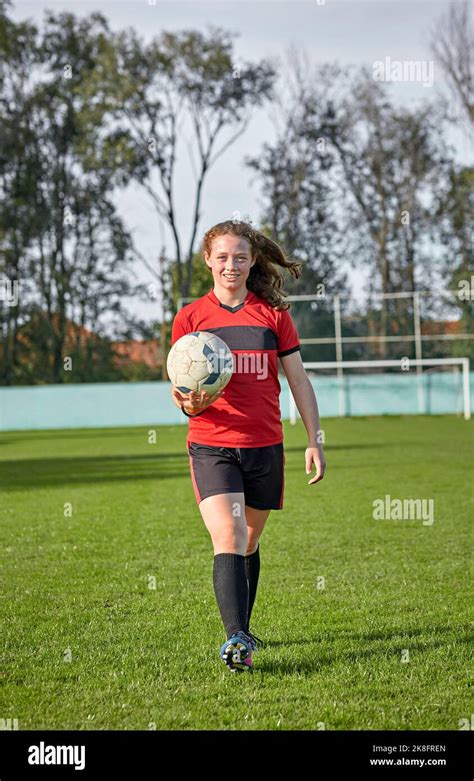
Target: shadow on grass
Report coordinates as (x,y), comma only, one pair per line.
(394,642)
(351,446)
(20,437)
(39,473)
(42,472)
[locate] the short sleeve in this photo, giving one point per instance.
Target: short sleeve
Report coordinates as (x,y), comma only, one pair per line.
(288,339)
(180,326)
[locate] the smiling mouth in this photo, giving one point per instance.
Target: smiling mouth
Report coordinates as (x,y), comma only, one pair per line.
(231,276)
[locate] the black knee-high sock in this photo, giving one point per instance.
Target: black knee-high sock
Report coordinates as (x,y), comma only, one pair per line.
(252,567)
(231,590)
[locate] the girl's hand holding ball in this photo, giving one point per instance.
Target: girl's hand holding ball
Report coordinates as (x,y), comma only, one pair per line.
(194,402)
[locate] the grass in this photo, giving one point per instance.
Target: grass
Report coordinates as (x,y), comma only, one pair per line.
(108,609)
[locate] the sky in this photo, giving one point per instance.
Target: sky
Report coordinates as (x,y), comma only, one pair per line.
(347,31)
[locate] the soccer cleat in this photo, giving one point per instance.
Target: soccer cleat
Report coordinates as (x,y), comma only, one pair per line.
(255,642)
(236,652)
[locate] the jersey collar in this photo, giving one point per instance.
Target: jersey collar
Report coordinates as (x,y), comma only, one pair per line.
(247,300)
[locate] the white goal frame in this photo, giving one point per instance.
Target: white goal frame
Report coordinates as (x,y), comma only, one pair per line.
(418,362)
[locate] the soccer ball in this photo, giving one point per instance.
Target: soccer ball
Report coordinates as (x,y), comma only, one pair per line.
(200,361)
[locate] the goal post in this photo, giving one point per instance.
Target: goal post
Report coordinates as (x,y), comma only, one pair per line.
(464,363)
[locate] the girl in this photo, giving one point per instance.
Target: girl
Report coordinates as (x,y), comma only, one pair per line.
(235,437)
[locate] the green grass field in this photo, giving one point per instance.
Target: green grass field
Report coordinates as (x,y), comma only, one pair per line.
(109,614)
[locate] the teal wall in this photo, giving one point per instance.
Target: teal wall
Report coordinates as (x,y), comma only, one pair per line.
(146,403)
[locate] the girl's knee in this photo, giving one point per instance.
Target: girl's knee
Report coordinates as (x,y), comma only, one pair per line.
(230,541)
(252,545)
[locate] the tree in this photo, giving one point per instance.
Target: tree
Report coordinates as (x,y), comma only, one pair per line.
(78,249)
(393,160)
(19,171)
(455,219)
(297,173)
(452,43)
(186,76)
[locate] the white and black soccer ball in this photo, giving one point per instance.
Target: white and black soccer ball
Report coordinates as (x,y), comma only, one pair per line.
(200,361)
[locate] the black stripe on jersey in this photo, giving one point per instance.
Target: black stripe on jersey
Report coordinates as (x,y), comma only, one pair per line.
(288,352)
(246,337)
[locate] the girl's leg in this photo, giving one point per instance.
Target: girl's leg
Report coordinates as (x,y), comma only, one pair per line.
(224,517)
(255,524)
(256,520)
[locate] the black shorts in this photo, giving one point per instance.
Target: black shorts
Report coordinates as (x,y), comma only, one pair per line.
(257,472)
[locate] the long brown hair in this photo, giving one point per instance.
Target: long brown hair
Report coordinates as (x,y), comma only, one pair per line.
(265,278)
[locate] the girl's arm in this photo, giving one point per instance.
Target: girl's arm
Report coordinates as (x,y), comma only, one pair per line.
(307,405)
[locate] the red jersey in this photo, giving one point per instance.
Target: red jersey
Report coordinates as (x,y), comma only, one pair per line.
(247,414)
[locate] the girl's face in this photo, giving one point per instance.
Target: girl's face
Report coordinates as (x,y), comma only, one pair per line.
(230,261)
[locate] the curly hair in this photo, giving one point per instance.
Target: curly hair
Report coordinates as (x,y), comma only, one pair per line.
(265,278)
